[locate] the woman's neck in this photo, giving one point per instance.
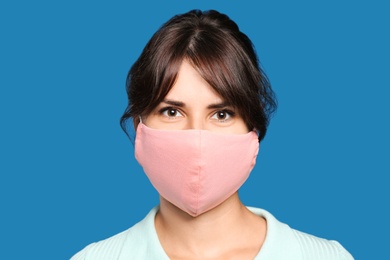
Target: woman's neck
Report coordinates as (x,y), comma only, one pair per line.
(229,228)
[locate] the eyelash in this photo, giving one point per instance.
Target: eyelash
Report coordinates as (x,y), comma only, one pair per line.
(166,109)
(228,112)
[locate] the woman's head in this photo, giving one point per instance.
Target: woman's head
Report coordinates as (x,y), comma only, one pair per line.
(222,55)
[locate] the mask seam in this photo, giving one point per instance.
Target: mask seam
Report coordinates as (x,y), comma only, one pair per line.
(199,171)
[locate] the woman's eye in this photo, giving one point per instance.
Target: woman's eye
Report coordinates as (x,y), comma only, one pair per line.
(171,112)
(222,116)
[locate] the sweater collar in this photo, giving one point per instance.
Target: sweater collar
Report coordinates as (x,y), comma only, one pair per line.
(279,243)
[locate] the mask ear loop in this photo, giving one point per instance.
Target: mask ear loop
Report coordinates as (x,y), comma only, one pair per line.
(140,119)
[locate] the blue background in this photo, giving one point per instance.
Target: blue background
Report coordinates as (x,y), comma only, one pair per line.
(68,176)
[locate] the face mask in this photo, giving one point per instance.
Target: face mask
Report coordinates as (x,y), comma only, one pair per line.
(196,170)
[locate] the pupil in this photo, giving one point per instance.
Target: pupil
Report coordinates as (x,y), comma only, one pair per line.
(221,115)
(172,112)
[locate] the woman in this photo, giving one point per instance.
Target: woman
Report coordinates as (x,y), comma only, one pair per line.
(201,105)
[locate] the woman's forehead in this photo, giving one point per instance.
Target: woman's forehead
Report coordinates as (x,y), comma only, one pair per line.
(190,86)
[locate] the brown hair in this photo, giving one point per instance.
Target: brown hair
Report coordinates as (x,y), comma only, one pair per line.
(218,50)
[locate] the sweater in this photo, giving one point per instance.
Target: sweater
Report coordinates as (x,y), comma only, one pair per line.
(281,243)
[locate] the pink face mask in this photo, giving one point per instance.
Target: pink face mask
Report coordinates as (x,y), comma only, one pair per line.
(196,170)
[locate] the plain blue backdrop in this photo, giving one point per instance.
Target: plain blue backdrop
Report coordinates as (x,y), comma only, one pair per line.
(68,176)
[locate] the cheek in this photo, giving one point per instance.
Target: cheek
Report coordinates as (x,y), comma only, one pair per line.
(243,128)
(157,122)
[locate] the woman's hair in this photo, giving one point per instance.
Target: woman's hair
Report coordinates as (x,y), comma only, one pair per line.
(218,50)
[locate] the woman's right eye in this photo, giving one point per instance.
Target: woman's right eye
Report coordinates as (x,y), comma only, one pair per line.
(170,112)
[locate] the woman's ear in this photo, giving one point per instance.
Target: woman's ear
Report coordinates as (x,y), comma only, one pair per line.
(136,122)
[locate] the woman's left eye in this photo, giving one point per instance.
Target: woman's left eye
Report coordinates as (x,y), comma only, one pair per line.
(222,115)
(171,112)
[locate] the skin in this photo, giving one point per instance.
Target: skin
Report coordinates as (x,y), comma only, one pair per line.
(230,230)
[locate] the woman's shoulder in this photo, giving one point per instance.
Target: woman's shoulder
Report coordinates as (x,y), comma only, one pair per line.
(284,242)
(109,248)
(118,246)
(313,247)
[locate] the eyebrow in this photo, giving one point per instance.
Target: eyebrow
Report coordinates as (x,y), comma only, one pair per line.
(174,103)
(219,105)
(211,106)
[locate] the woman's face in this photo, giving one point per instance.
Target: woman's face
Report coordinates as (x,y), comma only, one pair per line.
(193,104)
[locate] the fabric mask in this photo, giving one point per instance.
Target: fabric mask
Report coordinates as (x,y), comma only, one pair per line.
(196,170)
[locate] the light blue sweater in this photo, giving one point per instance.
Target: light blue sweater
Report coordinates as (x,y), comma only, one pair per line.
(281,243)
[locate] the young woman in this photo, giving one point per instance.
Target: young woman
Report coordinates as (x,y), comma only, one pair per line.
(200,105)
